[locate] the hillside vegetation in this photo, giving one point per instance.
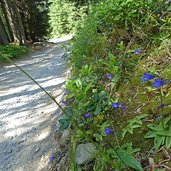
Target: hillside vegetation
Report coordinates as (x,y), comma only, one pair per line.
(118,97)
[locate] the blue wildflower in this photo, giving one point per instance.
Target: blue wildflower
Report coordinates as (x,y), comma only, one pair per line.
(158,83)
(63,102)
(115,104)
(52,158)
(108,131)
(147,77)
(162,17)
(123,107)
(137,52)
(87,115)
(109,76)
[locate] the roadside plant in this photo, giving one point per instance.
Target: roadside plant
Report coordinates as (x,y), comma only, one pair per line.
(132,124)
(161,133)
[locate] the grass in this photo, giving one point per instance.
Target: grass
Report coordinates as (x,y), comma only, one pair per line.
(12,52)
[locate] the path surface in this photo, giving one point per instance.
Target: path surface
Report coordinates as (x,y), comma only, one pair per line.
(27,116)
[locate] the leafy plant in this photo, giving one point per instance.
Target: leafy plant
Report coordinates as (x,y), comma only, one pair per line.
(161,133)
(133,123)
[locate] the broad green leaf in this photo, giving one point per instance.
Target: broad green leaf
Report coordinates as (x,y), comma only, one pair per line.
(168,142)
(129,160)
(102,96)
(79,83)
(64,123)
(154,127)
(150,134)
(136,126)
(158,141)
(166,133)
(98,109)
(130,130)
(88,87)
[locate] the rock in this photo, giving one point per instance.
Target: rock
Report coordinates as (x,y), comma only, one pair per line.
(36,149)
(85,152)
(65,137)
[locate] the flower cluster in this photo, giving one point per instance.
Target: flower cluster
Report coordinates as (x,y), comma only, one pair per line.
(118,105)
(157,83)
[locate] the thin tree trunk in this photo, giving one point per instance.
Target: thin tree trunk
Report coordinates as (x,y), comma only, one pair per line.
(15,21)
(6,21)
(3,36)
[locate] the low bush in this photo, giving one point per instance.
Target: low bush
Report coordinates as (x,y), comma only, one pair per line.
(118,95)
(12,52)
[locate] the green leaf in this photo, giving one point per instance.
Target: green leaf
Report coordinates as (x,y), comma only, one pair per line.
(158,141)
(168,142)
(98,109)
(136,126)
(150,134)
(88,87)
(64,123)
(129,160)
(166,133)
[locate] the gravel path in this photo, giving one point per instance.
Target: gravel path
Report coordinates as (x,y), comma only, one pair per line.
(27,116)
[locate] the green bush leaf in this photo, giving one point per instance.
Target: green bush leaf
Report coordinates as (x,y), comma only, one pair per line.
(168,142)
(98,109)
(150,134)
(129,160)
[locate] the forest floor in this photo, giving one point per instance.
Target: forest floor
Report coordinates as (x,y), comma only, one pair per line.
(28,117)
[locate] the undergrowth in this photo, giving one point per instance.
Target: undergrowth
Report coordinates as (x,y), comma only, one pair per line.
(12,52)
(118,96)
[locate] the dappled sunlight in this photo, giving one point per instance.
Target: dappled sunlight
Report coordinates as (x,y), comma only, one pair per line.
(27,114)
(43,134)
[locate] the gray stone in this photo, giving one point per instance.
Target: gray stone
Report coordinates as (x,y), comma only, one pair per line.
(85,152)
(36,149)
(65,137)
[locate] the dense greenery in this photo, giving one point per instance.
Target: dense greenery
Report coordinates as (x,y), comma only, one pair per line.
(67,16)
(12,52)
(120,89)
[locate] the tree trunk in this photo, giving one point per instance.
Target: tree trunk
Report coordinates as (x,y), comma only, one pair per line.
(15,21)
(3,36)
(5,21)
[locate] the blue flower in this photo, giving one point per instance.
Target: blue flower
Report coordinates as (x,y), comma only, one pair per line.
(87,115)
(108,131)
(147,77)
(63,102)
(52,158)
(137,52)
(158,83)
(123,107)
(109,76)
(115,104)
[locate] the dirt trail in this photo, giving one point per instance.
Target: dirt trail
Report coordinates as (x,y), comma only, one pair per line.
(27,116)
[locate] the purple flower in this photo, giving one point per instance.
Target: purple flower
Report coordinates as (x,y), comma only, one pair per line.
(123,107)
(162,17)
(169,1)
(108,131)
(115,104)
(147,77)
(109,76)
(87,115)
(63,102)
(158,83)
(52,158)
(137,52)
